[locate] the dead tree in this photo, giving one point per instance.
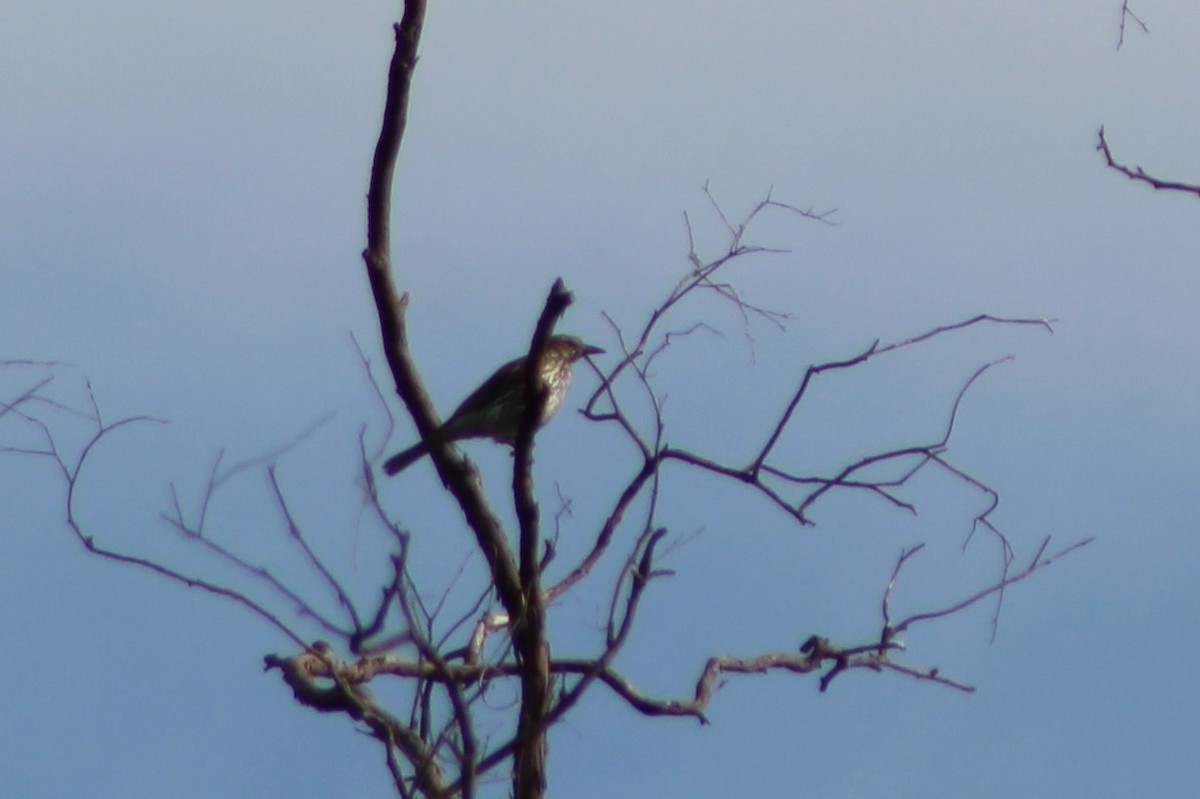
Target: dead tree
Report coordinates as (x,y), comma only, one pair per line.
(435,746)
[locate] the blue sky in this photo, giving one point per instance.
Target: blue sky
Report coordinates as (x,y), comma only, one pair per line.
(181,223)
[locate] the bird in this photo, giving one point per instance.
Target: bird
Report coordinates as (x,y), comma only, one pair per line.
(494,410)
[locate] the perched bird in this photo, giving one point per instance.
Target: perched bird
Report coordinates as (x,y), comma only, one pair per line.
(494,409)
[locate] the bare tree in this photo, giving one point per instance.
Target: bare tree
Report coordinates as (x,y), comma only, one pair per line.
(448,739)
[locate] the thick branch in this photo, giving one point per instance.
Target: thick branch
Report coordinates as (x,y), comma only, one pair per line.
(395,119)
(816,653)
(459,476)
(345,697)
(529,628)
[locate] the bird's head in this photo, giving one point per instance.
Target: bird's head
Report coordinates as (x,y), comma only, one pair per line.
(571,348)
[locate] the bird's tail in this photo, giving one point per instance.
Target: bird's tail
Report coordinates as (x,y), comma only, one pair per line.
(405,458)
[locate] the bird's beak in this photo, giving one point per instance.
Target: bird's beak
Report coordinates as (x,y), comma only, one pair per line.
(588,349)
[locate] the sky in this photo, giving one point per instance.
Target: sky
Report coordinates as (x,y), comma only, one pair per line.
(180,227)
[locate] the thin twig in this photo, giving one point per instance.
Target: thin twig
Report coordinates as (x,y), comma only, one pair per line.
(1139,174)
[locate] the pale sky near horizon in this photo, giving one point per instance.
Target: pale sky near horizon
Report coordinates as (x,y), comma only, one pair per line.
(180,225)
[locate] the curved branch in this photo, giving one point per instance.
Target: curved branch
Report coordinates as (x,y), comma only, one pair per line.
(1036,563)
(89,543)
(1139,174)
(458,474)
(870,352)
(605,535)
